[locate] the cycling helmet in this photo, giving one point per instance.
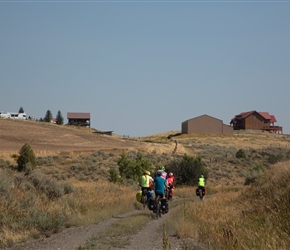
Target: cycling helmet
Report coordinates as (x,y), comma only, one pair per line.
(170,174)
(201,176)
(162,168)
(146,172)
(159,173)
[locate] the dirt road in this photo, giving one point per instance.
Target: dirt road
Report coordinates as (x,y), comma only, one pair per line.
(149,237)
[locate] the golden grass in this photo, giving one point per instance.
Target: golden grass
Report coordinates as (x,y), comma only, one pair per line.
(89,203)
(243,218)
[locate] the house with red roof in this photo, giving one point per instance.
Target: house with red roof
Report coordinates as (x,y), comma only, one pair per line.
(256,120)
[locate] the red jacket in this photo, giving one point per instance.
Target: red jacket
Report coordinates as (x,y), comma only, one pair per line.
(170,181)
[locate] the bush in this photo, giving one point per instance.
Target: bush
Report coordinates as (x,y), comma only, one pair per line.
(133,168)
(114,175)
(51,188)
(4,164)
(188,169)
(254,174)
(241,154)
(26,156)
(272,159)
(6,182)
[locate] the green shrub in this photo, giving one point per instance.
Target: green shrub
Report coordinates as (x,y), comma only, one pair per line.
(26,156)
(254,174)
(272,159)
(114,175)
(187,169)
(44,184)
(6,182)
(4,164)
(133,168)
(68,188)
(241,154)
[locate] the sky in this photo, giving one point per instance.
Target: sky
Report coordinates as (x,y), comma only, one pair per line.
(143,67)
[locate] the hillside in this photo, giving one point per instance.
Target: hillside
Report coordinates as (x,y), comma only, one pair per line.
(73,169)
(217,151)
(51,138)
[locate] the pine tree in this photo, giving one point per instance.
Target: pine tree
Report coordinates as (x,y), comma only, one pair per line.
(59,118)
(21,110)
(48,116)
(26,158)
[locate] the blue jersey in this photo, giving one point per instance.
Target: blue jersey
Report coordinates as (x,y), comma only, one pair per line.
(159,183)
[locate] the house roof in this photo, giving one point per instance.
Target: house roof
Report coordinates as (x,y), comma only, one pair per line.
(265,115)
(273,119)
(197,117)
(73,115)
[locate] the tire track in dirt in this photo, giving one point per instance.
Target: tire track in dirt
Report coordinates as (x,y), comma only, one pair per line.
(149,237)
(71,238)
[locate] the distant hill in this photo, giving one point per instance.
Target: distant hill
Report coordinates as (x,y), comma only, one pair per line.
(54,138)
(217,151)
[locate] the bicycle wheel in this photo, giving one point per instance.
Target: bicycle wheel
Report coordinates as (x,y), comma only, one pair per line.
(144,199)
(200,194)
(158,209)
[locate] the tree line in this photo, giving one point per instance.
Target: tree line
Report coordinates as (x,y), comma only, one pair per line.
(48,116)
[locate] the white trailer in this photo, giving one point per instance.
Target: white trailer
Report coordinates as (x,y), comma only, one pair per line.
(19,116)
(5,114)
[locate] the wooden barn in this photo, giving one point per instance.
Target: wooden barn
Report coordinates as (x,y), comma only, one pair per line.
(205,124)
(79,119)
(256,120)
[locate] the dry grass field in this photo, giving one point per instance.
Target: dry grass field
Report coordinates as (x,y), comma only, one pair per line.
(45,137)
(51,139)
(217,151)
(70,185)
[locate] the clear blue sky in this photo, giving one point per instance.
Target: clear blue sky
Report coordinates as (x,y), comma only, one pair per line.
(144,67)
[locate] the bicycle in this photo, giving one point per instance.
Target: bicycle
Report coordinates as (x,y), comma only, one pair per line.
(200,192)
(144,198)
(158,206)
(169,193)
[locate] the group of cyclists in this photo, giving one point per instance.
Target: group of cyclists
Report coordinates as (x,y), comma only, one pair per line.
(163,184)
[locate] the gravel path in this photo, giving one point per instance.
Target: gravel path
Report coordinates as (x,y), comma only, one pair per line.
(149,237)
(71,238)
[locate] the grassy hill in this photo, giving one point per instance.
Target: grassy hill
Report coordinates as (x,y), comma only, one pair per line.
(70,184)
(217,151)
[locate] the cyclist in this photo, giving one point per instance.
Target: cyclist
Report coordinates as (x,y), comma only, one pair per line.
(160,184)
(146,183)
(171,183)
(171,180)
(201,183)
(163,173)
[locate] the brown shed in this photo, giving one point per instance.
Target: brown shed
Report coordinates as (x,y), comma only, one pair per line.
(79,119)
(205,124)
